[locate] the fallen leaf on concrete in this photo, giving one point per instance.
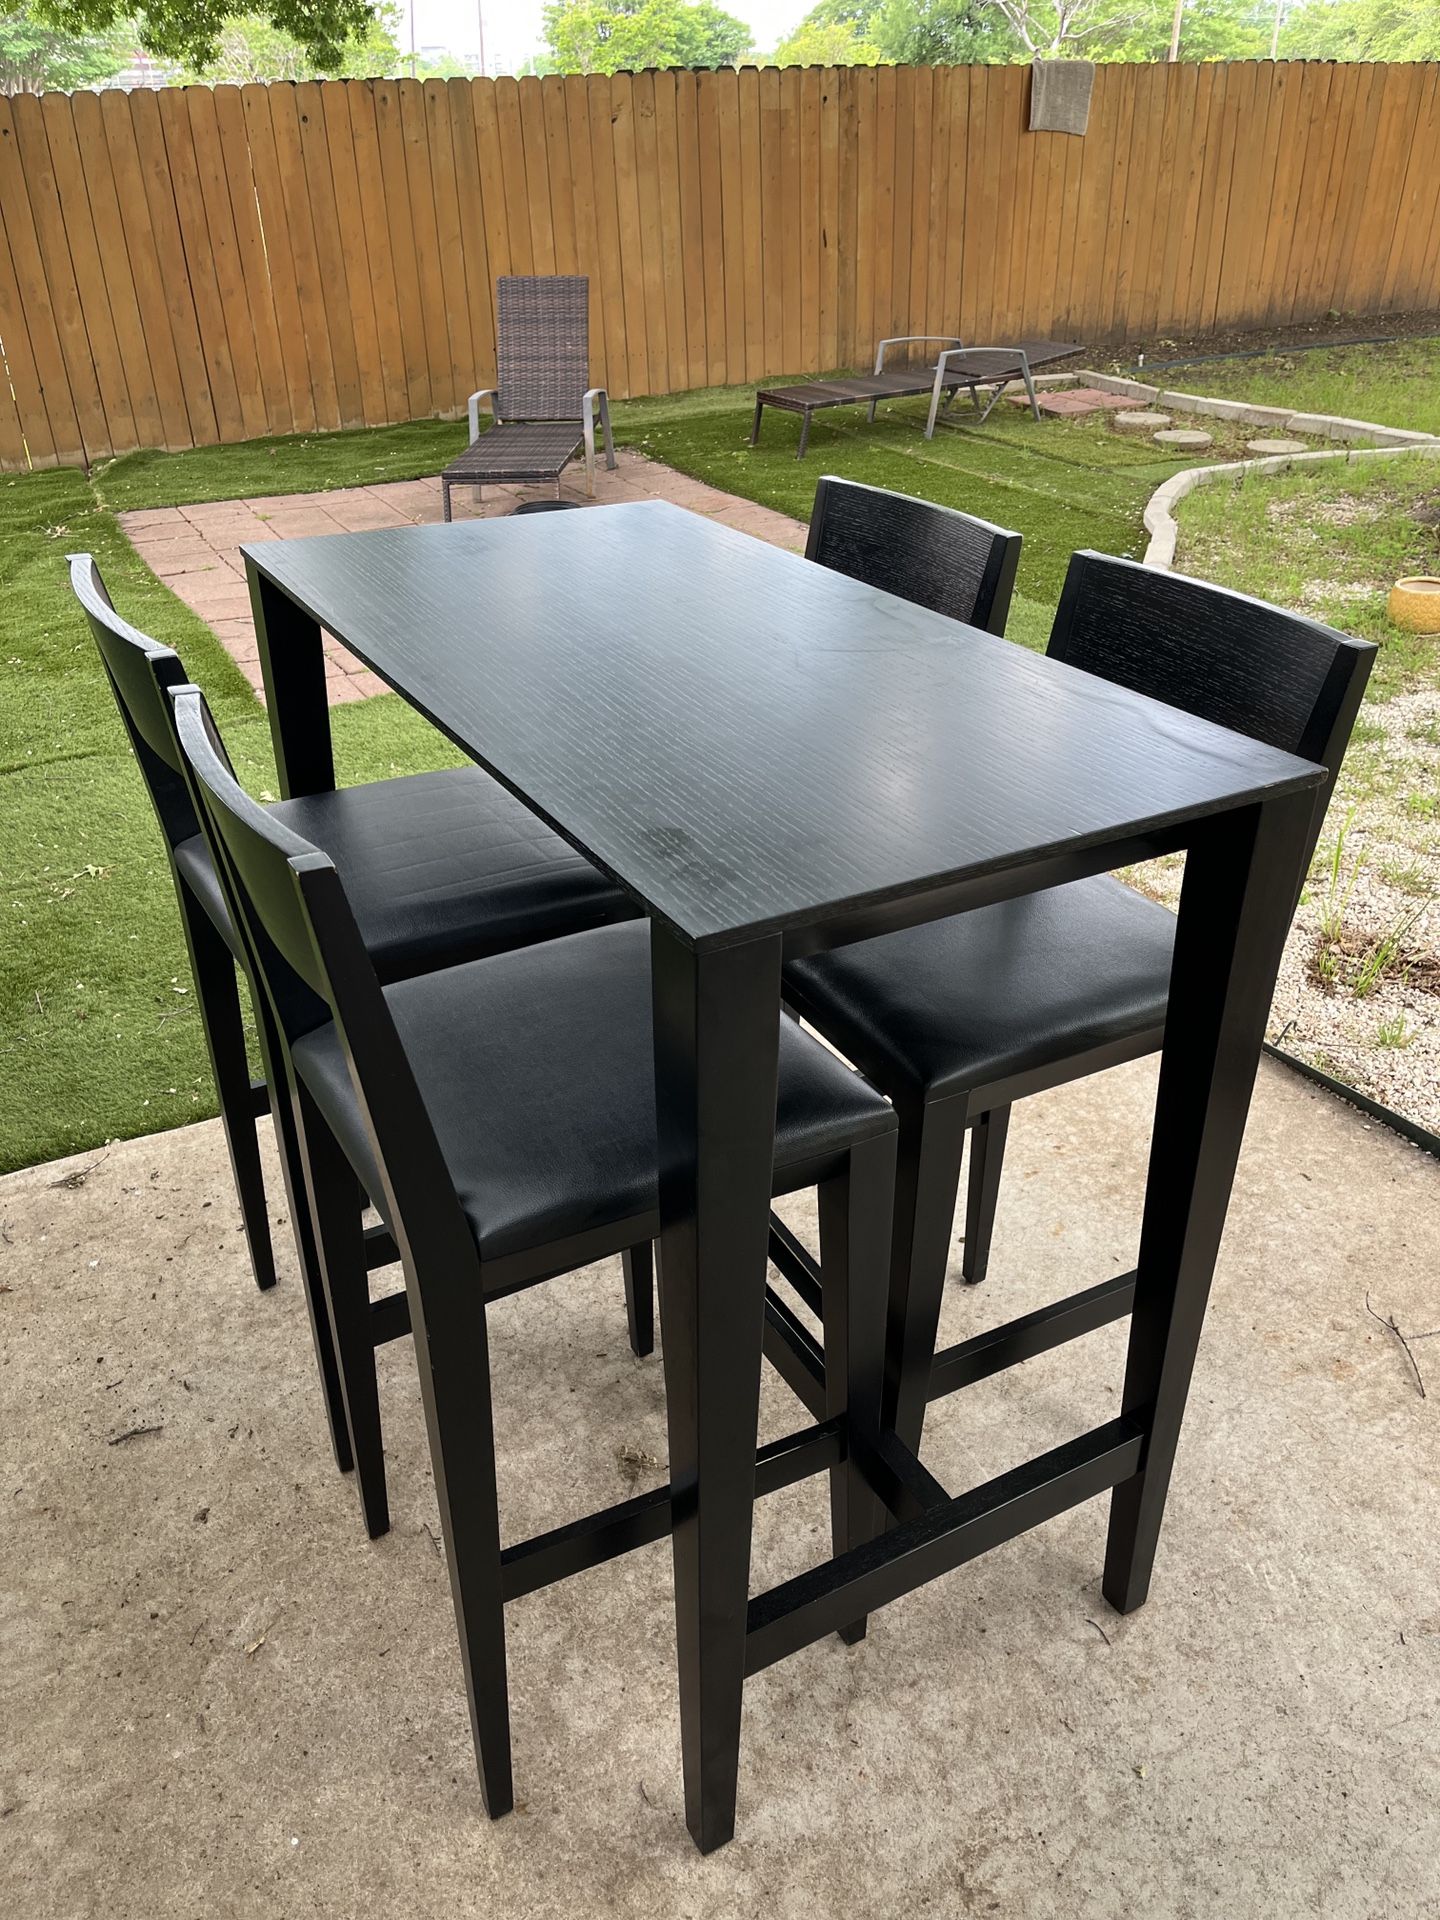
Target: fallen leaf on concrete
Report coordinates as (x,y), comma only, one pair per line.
(253,1647)
(133,1433)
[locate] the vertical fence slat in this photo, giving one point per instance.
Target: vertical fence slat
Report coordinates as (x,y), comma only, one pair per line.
(587,231)
(1017,160)
(690,239)
(791,265)
(350,221)
(275,229)
(449,244)
(607,228)
(747,205)
(224,248)
(255,265)
(26,435)
(631,249)
(949,316)
(470,203)
(671,230)
(652,251)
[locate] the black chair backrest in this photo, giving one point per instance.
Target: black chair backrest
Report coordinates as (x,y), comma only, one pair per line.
(542,346)
(140,670)
(937,557)
(254,854)
(307,958)
(1226,657)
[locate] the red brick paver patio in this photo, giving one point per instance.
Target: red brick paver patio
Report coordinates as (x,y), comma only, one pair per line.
(196,550)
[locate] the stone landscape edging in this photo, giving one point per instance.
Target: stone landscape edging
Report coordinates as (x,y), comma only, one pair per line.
(1159,519)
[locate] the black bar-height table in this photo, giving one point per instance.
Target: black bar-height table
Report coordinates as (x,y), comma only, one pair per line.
(773,759)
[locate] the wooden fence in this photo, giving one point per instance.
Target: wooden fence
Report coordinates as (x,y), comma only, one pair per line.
(197,265)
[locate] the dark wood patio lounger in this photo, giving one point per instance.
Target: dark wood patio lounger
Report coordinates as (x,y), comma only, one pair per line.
(960,366)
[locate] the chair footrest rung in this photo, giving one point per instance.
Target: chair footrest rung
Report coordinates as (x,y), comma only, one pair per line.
(793,1260)
(843,1590)
(390,1317)
(598,1537)
(1034,1333)
(795,1354)
(380,1248)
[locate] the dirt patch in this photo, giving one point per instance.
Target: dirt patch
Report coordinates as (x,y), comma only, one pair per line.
(1338,330)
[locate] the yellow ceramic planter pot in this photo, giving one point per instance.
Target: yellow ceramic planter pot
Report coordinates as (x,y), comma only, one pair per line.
(1415,604)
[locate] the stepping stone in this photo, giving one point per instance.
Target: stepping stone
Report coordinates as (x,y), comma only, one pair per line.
(1071,401)
(1141,422)
(1272,447)
(1185,440)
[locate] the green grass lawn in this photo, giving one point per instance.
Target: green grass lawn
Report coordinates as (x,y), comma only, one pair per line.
(1394,385)
(98,1032)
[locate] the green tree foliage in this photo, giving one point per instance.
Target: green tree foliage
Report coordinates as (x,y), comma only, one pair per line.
(944,33)
(997,32)
(837,33)
(1363,30)
(619,36)
(35,56)
(251,47)
(188,32)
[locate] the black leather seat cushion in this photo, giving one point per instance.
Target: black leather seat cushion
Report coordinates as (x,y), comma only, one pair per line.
(537,1071)
(438,867)
(964,1002)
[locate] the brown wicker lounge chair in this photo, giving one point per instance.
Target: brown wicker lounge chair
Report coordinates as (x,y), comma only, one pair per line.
(958,367)
(543,406)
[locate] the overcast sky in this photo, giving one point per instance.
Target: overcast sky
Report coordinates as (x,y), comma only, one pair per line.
(512,27)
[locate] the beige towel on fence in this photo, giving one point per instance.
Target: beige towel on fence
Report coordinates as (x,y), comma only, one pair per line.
(1060,95)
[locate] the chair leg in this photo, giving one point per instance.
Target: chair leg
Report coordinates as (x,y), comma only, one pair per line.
(216,991)
(927,1185)
(447,1317)
(335,1210)
(755,423)
(987,1157)
(638,1263)
(855,1210)
(293,1165)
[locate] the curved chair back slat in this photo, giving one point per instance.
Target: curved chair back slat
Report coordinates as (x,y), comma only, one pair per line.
(542,346)
(253,854)
(139,670)
(934,556)
(1277,676)
(307,957)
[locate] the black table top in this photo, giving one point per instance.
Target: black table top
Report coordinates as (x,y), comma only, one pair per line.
(746,741)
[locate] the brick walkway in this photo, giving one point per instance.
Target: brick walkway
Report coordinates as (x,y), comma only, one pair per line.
(196,550)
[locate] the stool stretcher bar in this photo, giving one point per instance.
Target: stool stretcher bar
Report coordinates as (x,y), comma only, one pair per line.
(942,1538)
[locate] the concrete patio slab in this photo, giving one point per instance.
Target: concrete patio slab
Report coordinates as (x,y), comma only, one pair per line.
(218,1698)
(196,550)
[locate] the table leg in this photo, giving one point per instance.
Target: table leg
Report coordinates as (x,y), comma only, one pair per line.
(1240,885)
(717,1020)
(292,660)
